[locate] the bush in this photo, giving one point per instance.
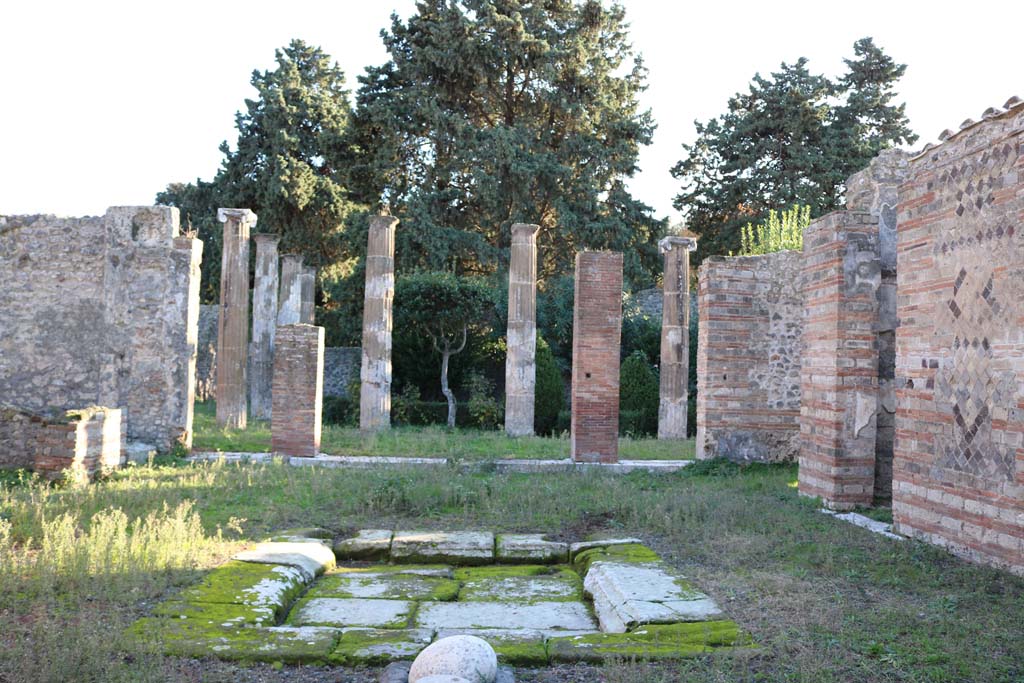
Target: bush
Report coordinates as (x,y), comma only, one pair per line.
(638,396)
(484,410)
(341,410)
(549,397)
(404,405)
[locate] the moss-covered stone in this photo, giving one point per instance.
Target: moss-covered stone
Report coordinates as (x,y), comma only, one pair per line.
(556,584)
(352,613)
(188,638)
(388,585)
(215,614)
(247,583)
(632,553)
(501,572)
(377,647)
(440,570)
(669,641)
(517,648)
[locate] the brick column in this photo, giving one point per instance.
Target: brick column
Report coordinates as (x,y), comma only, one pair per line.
(675,337)
(233,324)
(596,337)
(290,300)
(521,357)
(839,372)
(298,390)
(264,321)
(307,288)
(375,375)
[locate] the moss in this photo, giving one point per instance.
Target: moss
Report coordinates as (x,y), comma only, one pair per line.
(518,651)
(378,647)
(392,586)
(248,583)
(301,614)
(502,571)
(556,584)
(631,553)
(669,641)
(215,614)
(392,569)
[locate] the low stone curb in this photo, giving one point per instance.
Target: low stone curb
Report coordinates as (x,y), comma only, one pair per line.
(872,525)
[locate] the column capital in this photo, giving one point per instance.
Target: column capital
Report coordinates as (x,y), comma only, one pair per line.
(241,215)
(383,222)
(527,229)
(267,238)
(667,244)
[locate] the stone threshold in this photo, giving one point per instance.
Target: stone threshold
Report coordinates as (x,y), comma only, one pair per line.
(507,465)
(872,525)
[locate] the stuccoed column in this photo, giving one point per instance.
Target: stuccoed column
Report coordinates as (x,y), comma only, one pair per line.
(233,325)
(290,301)
(375,374)
(264,322)
(521,355)
(675,337)
(307,289)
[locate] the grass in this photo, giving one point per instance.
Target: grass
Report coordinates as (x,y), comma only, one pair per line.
(828,601)
(424,442)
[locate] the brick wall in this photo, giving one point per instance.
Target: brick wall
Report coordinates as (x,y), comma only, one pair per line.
(102,311)
(77,445)
(842,273)
(597,331)
(959,454)
(748,357)
(297,390)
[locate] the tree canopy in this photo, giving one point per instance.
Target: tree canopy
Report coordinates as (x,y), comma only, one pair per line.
(792,138)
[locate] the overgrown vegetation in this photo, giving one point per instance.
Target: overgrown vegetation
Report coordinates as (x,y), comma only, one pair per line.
(780,232)
(827,601)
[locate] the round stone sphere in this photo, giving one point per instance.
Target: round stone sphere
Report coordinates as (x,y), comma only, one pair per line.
(457,657)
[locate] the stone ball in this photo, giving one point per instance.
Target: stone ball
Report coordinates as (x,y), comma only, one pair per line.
(456,658)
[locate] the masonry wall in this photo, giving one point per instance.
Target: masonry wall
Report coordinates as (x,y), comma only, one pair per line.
(748,357)
(959,454)
(102,311)
(77,445)
(295,422)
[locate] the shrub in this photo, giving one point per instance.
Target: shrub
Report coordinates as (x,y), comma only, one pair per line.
(404,405)
(484,410)
(549,397)
(341,410)
(782,231)
(638,396)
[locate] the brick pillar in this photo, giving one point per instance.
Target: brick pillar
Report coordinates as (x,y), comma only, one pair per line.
(675,337)
(375,374)
(264,321)
(290,300)
(233,324)
(839,371)
(596,336)
(521,358)
(307,289)
(298,390)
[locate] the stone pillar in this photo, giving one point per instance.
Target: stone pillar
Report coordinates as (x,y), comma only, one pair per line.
(233,325)
(375,374)
(675,337)
(298,390)
(596,337)
(264,320)
(307,290)
(290,300)
(521,355)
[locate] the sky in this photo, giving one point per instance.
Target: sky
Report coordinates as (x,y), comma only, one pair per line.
(104,103)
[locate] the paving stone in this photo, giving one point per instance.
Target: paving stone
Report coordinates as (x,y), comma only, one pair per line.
(377,647)
(367,544)
(442,571)
(391,585)
(311,556)
(625,553)
(576,548)
(571,616)
(217,614)
(529,549)
(673,641)
(529,583)
(188,638)
(455,547)
(522,648)
(244,583)
(351,612)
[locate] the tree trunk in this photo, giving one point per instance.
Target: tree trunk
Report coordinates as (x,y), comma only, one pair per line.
(445,389)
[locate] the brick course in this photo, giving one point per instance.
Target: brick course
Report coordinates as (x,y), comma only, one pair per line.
(77,445)
(298,390)
(596,336)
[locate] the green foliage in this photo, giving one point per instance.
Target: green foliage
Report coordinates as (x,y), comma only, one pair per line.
(490,113)
(792,138)
(404,405)
(782,231)
(549,391)
(484,409)
(638,396)
(555,299)
(641,333)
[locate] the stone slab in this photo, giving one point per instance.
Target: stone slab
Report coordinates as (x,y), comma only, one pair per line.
(454,547)
(864,522)
(439,570)
(569,616)
(367,544)
(674,641)
(379,646)
(529,549)
(188,638)
(391,585)
(250,584)
(217,615)
(310,556)
(532,584)
(576,548)
(339,612)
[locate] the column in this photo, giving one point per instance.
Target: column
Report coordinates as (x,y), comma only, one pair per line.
(307,291)
(264,321)
(521,354)
(290,300)
(298,391)
(233,325)
(675,337)
(375,374)
(596,337)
